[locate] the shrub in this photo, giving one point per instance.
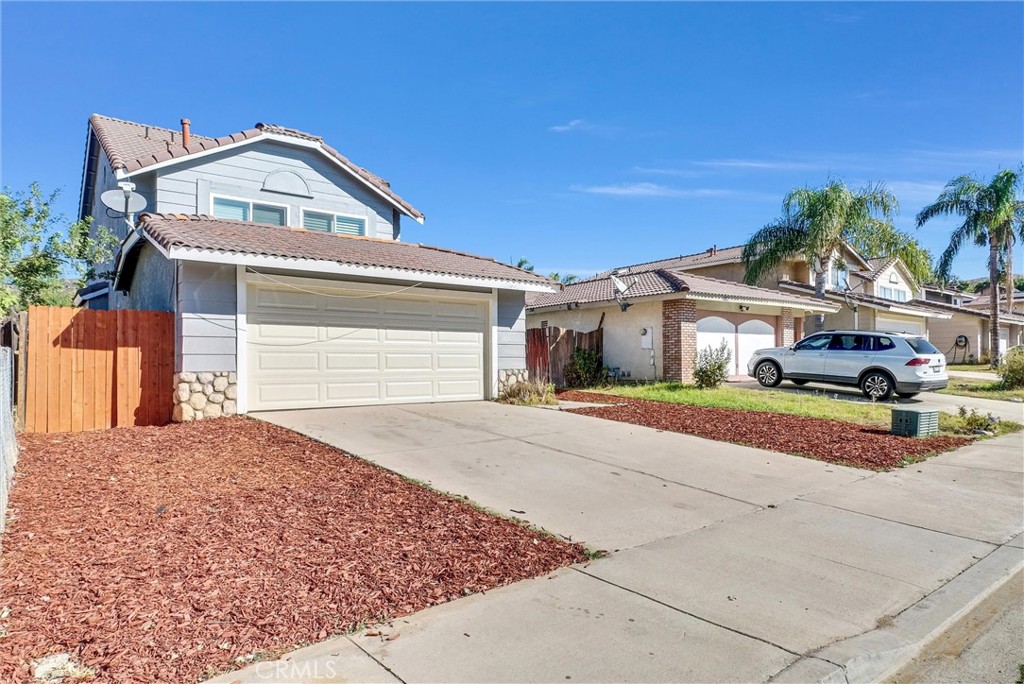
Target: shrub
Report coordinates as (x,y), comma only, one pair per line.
(529,394)
(973,421)
(712,366)
(585,369)
(1012,370)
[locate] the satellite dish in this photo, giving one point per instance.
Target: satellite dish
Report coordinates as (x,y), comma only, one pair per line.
(124,200)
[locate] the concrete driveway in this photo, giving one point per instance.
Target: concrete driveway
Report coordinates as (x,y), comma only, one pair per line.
(727,563)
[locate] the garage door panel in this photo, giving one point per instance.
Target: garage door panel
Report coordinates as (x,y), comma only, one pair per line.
(458,389)
(287,360)
(288,393)
(267,299)
(352,392)
(453,361)
(343,362)
(308,350)
(893,324)
(408,390)
(400,362)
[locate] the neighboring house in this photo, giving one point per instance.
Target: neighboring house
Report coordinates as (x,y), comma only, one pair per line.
(667,315)
(943,295)
(281,261)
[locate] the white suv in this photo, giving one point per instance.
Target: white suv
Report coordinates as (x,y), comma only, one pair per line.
(880,363)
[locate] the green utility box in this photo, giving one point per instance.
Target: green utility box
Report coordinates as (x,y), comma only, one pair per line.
(915,422)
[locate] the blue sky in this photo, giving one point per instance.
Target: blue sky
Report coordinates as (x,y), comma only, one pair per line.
(580,136)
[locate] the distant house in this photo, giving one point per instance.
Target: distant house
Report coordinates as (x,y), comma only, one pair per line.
(282,262)
(656,317)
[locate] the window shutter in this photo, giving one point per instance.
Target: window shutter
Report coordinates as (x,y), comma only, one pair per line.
(233,210)
(262,213)
(347,225)
(311,220)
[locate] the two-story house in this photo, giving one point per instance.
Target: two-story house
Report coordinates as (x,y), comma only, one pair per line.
(282,262)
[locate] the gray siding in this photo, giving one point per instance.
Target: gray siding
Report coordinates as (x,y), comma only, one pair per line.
(186,187)
(511,330)
(152,287)
(206,317)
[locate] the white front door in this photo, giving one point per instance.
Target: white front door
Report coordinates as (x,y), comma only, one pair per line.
(317,343)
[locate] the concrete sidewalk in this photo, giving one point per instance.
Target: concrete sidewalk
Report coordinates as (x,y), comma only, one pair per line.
(727,563)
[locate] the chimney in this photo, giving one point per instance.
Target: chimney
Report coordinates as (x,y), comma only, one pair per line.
(186,132)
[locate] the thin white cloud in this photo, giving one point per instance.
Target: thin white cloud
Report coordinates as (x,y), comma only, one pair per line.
(759,164)
(658,190)
(584,126)
(916,192)
(665,171)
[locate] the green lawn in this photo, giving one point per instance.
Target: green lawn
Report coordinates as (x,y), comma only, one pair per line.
(983,389)
(816,405)
(973,367)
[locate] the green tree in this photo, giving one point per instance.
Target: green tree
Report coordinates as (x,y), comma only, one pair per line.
(815,224)
(524,264)
(886,241)
(993,216)
(567,279)
(39,255)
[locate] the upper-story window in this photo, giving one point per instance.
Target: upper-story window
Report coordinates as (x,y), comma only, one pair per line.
(244,210)
(837,276)
(893,293)
(333,223)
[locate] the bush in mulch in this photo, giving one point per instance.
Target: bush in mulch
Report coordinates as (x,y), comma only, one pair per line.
(166,554)
(834,441)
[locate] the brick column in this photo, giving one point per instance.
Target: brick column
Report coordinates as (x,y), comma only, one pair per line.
(788,327)
(678,339)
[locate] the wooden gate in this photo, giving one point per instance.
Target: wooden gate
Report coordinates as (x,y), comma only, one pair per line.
(90,370)
(549,350)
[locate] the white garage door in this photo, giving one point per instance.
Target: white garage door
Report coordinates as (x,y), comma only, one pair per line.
(903,325)
(712,331)
(751,336)
(319,345)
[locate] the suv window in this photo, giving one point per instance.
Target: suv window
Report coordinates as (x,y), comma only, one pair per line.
(884,344)
(922,346)
(814,343)
(849,343)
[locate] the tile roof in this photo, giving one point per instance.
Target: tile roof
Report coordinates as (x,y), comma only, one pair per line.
(220,235)
(132,146)
(709,257)
(877,266)
(664,282)
(871,300)
(978,313)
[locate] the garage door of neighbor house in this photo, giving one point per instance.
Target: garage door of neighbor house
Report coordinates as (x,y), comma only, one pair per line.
(903,325)
(317,344)
(742,340)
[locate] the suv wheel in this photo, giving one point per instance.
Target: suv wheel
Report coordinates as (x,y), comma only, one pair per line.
(768,374)
(877,386)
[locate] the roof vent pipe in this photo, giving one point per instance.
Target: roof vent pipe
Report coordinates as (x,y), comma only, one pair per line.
(186,132)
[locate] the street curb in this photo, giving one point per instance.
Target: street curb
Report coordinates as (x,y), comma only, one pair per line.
(875,655)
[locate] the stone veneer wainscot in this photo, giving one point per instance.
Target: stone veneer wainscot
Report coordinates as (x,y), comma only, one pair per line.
(198,396)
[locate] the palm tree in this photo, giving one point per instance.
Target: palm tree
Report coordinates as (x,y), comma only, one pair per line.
(994,217)
(524,264)
(567,279)
(816,222)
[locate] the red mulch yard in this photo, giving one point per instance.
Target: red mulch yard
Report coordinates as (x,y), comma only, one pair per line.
(163,554)
(834,441)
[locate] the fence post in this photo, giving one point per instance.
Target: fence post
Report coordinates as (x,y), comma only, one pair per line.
(21,365)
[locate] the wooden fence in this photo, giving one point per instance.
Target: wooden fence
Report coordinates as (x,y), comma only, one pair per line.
(549,350)
(90,370)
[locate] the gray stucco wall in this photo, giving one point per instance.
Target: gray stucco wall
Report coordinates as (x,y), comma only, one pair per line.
(186,187)
(205,319)
(511,330)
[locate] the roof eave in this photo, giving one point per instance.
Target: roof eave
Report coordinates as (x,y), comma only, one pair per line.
(180,253)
